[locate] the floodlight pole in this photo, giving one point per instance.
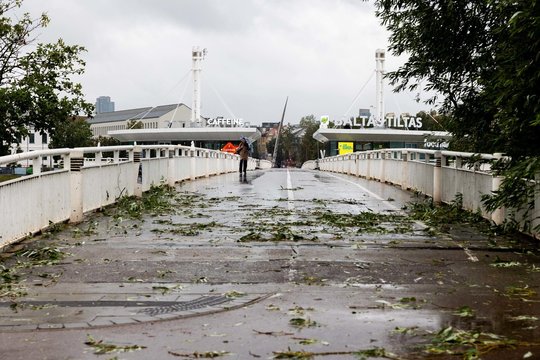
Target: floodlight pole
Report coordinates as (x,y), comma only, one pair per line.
(198,56)
(379,61)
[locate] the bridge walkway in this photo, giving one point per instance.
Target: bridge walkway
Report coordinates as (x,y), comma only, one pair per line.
(284,259)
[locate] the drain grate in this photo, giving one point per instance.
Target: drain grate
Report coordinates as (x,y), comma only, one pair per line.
(199,303)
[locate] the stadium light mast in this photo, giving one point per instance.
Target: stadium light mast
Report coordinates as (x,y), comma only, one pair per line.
(197,55)
(379,61)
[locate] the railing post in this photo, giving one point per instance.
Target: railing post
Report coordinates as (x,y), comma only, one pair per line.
(459,162)
(218,163)
(404,169)
(116,156)
(498,215)
(383,166)
(192,164)
(171,164)
(437,177)
(137,170)
(36,165)
(207,161)
(76,162)
(98,157)
(368,165)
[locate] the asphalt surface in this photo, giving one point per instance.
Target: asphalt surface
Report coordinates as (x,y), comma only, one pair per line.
(282,263)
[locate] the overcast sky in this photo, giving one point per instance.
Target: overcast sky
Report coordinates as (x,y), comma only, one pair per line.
(320,53)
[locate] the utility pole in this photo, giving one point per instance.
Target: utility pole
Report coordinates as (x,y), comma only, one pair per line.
(279,132)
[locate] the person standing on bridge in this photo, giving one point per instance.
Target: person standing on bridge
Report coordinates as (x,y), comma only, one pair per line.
(243,151)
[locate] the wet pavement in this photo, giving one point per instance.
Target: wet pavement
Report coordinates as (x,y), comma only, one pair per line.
(284,263)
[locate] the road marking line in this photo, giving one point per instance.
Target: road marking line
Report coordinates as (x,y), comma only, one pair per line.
(371,193)
(469,253)
(294,249)
(290,192)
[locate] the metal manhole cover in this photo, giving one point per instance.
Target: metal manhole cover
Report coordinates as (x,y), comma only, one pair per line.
(202,302)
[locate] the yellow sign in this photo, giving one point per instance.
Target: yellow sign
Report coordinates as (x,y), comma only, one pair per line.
(345,147)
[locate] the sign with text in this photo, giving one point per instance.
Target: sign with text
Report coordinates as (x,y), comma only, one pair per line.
(220,121)
(392,122)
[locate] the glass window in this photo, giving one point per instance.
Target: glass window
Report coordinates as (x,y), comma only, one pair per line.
(43,138)
(31,138)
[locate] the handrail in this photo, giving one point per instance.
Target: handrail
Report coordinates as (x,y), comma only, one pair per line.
(98,149)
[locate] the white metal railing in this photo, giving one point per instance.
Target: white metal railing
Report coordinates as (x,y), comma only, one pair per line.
(439,174)
(85,179)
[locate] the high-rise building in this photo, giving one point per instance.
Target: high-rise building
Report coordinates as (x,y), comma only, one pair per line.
(104,104)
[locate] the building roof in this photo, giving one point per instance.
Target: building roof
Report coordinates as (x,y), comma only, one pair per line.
(378,135)
(134,114)
(185,134)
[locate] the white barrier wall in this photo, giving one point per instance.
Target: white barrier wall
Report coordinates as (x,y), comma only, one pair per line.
(439,174)
(264,164)
(49,191)
(86,179)
(310,165)
(103,185)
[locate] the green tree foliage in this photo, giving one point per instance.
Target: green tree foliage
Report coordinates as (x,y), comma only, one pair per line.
(481,57)
(74,132)
(105,141)
(36,90)
(288,145)
(308,145)
(432,121)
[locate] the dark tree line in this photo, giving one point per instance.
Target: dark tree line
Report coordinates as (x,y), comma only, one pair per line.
(296,143)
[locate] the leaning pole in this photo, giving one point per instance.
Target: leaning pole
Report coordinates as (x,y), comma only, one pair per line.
(279,132)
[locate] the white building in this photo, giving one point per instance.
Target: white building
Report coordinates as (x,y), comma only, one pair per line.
(160,117)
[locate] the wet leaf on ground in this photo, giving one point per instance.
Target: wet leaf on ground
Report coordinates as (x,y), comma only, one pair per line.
(504,264)
(167,289)
(101,347)
(200,355)
(523,318)
(464,311)
(234,294)
(302,323)
(520,291)
(273,333)
(405,330)
(470,344)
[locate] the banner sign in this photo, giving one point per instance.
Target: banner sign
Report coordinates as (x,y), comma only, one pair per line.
(229,147)
(325,119)
(345,148)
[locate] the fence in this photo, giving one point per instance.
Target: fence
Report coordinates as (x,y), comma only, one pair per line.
(439,174)
(85,179)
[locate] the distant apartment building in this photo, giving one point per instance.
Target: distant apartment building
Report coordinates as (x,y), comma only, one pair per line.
(104,105)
